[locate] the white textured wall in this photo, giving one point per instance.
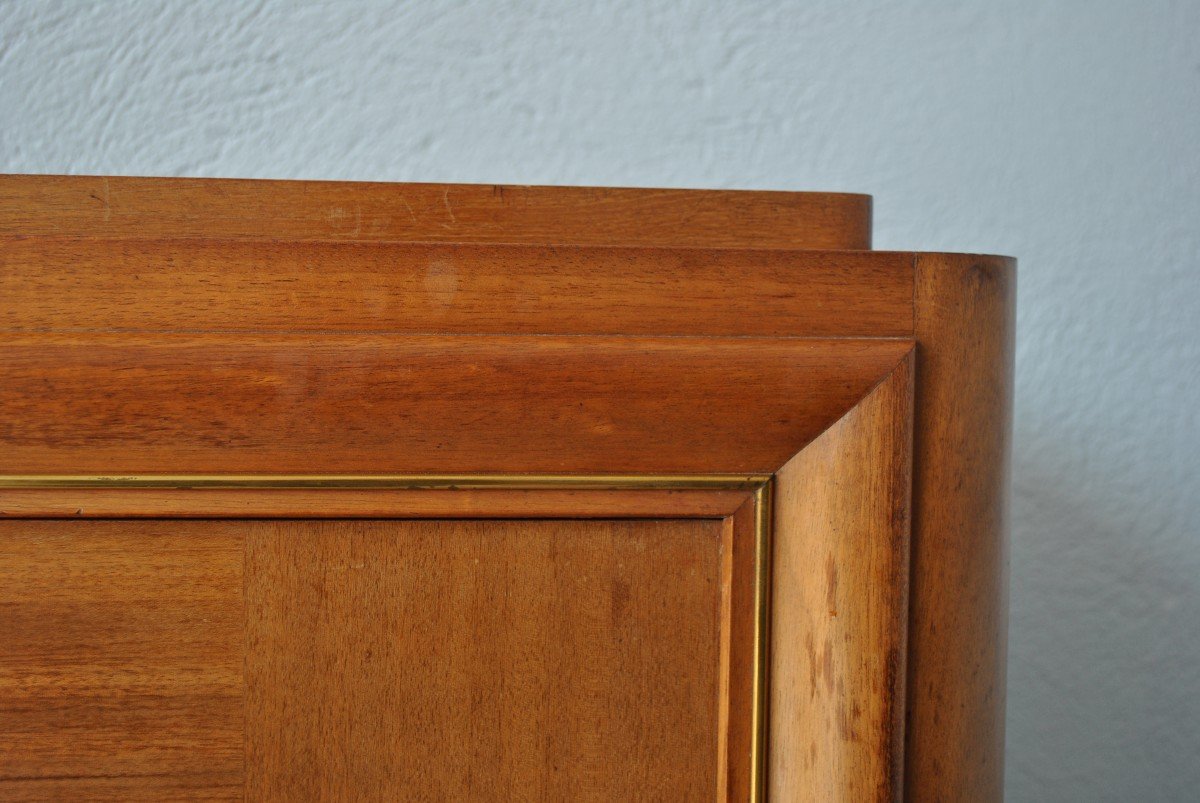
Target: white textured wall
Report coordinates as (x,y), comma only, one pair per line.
(1066,133)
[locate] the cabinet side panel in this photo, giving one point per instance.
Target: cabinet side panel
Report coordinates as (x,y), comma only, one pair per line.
(469,660)
(958,625)
(839,605)
(120,660)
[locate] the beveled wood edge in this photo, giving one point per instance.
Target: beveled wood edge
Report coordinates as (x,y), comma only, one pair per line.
(760,486)
(115,406)
(842,508)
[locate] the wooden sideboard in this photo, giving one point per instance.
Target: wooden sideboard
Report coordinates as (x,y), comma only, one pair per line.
(335,491)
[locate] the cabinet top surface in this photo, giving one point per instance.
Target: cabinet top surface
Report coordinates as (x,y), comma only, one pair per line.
(103,206)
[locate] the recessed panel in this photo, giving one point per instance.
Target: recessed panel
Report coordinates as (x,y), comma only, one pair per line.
(121,660)
(365,659)
(470,660)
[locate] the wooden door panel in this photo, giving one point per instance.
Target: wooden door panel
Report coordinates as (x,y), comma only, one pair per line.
(285,659)
(120,657)
(465,660)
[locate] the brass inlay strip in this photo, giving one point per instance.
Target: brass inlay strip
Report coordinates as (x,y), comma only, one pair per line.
(396,481)
(760,484)
(761,661)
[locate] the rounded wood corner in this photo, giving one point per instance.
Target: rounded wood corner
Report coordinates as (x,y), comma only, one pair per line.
(964,307)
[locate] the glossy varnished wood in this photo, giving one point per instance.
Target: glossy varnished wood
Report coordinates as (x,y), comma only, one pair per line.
(547,660)
(88,284)
(106,206)
(103,404)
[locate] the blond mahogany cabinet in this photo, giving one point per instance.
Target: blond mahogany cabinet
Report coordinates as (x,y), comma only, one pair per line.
(331,491)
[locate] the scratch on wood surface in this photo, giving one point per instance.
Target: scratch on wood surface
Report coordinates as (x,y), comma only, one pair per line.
(411,213)
(107,203)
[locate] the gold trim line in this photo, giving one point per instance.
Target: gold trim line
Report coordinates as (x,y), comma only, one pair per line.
(761,660)
(393,481)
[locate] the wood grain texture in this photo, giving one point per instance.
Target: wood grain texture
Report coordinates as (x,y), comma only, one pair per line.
(181,326)
(839,605)
(209,787)
(104,404)
(959,622)
(738,591)
(327,503)
(545,660)
(99,206)
(84,284)
(121,665)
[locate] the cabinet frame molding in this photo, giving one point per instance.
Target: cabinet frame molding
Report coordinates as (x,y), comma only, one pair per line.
(184,349)
(758,486)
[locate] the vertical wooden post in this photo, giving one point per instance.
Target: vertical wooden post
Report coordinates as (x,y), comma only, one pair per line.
(958,608)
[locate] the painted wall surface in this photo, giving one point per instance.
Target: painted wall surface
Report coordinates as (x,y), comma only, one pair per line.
(1066,133)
